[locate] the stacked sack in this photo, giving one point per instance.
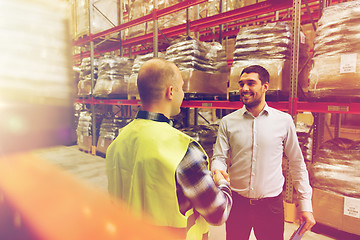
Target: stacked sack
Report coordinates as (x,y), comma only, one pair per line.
(216,55)
(336,61)
(109,130)
(189,54)
(113,76)
(336,167)
(268,45)
(84,84)
(203,65)
(84,131)
(133,92)
(142,8)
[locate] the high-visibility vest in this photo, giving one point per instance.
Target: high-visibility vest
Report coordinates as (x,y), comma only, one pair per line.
(141,165)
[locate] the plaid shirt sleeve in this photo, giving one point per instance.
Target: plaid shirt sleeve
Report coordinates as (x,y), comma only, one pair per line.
(196,188)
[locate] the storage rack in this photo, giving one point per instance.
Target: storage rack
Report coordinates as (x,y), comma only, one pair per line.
(235,19)
(272,10)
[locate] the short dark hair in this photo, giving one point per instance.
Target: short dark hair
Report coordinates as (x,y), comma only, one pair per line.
(264,75)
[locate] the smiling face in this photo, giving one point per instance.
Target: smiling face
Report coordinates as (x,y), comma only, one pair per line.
(252,91)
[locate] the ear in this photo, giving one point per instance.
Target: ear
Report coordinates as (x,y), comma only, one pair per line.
(266,86)
(169,93)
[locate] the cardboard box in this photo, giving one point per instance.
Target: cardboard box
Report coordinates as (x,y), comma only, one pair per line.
(230,48)
(84,142)
(203,82)
(132,89)
(337,211)
(340,72)
(102,144)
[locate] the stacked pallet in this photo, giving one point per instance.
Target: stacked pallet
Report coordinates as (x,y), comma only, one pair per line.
(336,62)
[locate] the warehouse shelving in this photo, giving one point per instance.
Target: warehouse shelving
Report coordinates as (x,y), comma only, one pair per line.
(210,28)
(318,107)
(275,9)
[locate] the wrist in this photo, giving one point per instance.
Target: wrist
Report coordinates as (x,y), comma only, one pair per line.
(222,182)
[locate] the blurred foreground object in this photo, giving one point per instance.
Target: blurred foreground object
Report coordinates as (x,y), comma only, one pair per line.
(36,86)
(38,201)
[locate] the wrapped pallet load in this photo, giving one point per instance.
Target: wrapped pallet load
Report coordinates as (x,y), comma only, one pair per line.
(132,89)
(84,84)
(335,177)
(104,16)
(142,8)
(113,77)
(84,131)
(269,45)
(36,86)
(203,67)
(336,61)
(109,130)
(212,7)
(336,167)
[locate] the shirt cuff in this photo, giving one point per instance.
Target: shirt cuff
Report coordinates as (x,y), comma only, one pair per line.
(305,205)
(223,182)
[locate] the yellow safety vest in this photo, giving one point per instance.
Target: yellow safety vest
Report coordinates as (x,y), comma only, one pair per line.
(141,165)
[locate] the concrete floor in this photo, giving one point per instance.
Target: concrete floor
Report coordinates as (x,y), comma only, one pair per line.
(91,169)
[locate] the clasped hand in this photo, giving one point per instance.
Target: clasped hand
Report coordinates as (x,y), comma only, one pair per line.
(220,174)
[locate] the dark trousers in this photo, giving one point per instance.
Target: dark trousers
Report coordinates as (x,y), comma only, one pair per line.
(266,216)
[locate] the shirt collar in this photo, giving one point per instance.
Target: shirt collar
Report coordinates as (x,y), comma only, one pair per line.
(158,117)
(266,110)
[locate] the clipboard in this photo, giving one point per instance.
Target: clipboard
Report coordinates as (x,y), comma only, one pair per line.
(296,235)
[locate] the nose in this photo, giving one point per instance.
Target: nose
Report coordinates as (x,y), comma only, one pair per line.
(245,87)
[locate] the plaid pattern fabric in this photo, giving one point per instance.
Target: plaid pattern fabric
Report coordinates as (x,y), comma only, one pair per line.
(195,186)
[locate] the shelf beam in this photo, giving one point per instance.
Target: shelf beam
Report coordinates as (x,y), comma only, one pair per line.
(159,13)
(301,106)
(200,24)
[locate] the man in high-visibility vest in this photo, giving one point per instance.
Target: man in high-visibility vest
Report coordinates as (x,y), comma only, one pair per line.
(158,170)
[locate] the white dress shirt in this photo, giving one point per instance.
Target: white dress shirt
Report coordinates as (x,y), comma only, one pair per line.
(251,148)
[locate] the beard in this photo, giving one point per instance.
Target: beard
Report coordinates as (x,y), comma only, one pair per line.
(251,101)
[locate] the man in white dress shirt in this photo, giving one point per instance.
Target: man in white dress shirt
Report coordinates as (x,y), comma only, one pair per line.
(250,146)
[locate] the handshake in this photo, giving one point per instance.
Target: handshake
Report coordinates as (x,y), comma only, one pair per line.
(220,177)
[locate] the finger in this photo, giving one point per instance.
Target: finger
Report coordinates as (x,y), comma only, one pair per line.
(226,175)
(306,227)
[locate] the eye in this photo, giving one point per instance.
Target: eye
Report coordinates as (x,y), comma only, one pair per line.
(241,84)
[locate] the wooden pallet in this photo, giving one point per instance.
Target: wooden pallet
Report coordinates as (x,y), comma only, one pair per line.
(340,96)
(100,154)
(80,37)
(204,96)
(112,96)
(84,150)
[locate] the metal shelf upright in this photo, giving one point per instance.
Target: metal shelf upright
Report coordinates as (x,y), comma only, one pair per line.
(234,20)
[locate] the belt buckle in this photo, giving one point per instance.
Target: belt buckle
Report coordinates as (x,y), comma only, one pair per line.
(253,201)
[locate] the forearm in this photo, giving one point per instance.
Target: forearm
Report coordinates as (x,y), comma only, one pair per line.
(218,164)
(211,201)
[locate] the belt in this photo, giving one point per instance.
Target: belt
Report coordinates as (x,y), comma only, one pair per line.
(255,201)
